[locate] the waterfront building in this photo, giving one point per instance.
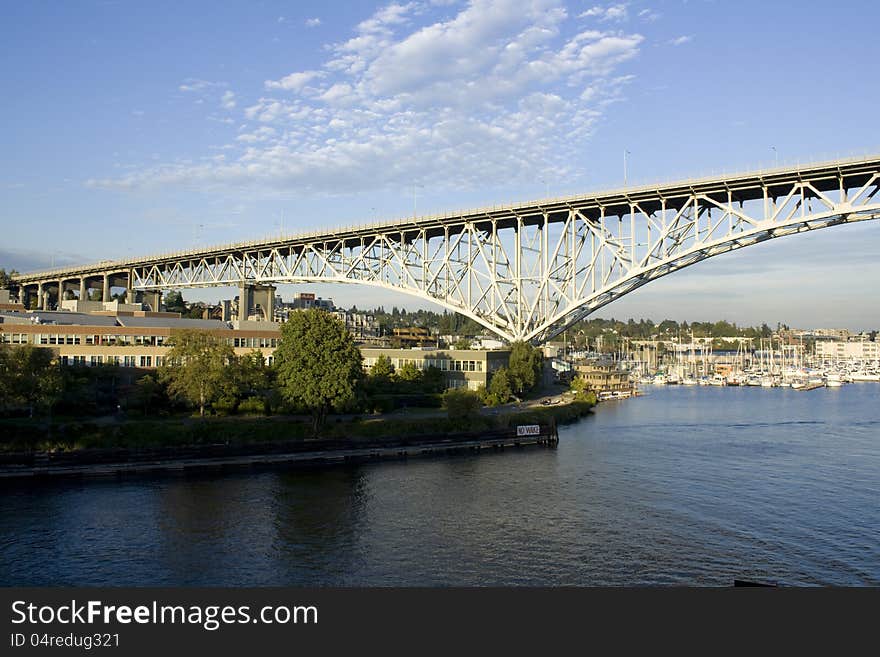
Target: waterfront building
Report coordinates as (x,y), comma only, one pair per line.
(307,301)
(463,368)
(825,333)
(854,350)
(412,336)
(362,326)
(135,339)
(604,377)
(9,303)
(138,339)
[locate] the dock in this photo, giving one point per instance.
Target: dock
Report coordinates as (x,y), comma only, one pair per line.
(299,454)
(809,386)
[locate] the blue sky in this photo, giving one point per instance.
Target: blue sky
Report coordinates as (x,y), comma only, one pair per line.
(133,128)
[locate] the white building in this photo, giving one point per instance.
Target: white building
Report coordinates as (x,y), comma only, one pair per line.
(861,350)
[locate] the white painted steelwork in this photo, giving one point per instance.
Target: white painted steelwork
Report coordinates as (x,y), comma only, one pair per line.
(528,271)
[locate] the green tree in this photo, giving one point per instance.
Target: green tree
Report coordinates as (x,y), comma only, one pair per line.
(582,390)
(525,367)
(252,379)
(461,403)
(379,384)
(382,369)
(317,363)
(6,280)
(499,390)
(29,377)
(409,373)
(433,379)
(5,377)
(174,302)
(147,391)
(196,368)
(462,343)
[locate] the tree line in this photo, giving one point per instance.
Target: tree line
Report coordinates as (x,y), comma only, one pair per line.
(317,370)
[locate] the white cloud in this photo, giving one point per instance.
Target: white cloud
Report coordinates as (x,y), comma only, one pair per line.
(294,81)
(313,22)
(337,93)
(616,13)
(494,92)
(228,100)
(195,85)
(680,41)
(393,14)
(261,134)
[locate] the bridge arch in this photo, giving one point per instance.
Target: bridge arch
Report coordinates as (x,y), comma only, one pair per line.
(528,271)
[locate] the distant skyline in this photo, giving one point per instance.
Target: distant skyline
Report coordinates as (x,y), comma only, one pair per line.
(132,129)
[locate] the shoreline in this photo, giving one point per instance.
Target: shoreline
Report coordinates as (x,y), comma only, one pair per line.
(222,457)
(133,446)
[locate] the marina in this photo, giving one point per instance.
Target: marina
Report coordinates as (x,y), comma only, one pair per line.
(696,363)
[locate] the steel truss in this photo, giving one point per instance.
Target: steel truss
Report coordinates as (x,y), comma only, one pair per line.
(527,272)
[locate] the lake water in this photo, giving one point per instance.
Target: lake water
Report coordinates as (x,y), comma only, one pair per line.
(693,486)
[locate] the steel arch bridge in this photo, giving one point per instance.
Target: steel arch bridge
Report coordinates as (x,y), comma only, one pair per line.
(528,271)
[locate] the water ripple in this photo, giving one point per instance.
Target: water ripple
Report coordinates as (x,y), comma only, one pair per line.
(678,487)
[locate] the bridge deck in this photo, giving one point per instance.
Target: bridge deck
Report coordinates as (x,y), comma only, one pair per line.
(743,187)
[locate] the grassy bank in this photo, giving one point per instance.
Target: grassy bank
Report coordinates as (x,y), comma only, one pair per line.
(22,434)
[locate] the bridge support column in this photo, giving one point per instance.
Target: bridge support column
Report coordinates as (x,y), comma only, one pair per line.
(62,291)
(152,299)
(245,302)
(264,298)
(41,297)
(83,291)
(254,297)
(105,289)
